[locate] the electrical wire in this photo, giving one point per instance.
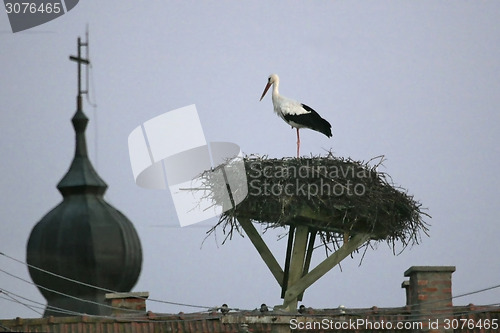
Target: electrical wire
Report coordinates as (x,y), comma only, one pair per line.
(415,314)
(136,318)
(12,299)
(477,291)
(367,312)
(65,295)
(97,287)
(397,318)
(40,305)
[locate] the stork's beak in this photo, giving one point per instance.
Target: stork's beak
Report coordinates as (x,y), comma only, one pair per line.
(265,90)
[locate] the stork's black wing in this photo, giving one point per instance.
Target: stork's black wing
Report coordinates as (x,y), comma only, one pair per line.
(311,120)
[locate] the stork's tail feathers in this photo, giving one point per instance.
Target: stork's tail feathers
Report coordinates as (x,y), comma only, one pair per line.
(325,128)
(314,121)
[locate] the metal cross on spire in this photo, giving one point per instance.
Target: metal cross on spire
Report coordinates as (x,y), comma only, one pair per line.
(81,61)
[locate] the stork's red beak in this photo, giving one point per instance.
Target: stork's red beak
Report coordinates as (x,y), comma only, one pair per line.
(265,90)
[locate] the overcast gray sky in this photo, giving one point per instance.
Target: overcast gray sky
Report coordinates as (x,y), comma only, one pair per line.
(416,81)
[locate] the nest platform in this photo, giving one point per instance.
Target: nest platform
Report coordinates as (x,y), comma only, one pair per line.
(335,196)
(346,203)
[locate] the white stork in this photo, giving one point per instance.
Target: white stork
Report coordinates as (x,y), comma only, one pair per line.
(296,114)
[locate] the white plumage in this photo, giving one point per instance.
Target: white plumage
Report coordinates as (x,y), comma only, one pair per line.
(294,113)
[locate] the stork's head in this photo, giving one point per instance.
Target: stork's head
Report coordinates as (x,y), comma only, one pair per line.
(272,79)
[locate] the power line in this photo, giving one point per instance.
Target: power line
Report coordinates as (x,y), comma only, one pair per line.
(208,307)
(74,313)
(97,287)
(40,305)
(396,317)
(63,294)
(477,291)
(12,299)
(431,312)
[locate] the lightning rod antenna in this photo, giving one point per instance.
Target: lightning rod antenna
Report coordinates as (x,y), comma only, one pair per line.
(79,60)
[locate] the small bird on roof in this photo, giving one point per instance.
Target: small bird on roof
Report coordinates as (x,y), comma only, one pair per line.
(224,308)
(295,114)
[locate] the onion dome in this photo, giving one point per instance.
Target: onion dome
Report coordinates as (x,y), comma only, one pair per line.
(83,239)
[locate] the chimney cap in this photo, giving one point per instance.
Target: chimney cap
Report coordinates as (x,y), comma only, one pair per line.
(429,269)
(140,294)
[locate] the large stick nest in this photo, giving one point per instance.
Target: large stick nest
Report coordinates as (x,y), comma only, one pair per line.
(334,196)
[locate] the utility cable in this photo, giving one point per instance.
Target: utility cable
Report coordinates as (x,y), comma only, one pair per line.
(100,288)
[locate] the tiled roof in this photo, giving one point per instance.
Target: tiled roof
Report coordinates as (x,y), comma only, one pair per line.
(233,322)
(151,322)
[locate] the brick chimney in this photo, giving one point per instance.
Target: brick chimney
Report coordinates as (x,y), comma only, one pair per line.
(127,303)
(406,286)
(429,295)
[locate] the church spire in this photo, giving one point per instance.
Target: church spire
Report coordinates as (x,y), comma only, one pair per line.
(81,176)
(83,238)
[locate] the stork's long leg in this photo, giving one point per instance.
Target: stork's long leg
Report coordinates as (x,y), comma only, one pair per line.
(298,143)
